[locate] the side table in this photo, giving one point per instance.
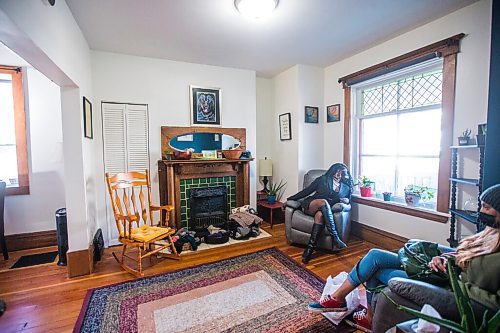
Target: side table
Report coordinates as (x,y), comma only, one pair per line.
(271,207)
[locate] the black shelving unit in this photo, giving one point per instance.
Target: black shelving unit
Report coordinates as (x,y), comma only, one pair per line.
(455,180)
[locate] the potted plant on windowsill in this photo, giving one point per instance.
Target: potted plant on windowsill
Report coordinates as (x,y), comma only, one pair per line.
(415,193)
(275,191)
(365,186)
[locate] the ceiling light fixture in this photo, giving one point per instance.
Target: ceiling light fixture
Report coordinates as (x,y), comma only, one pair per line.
(256,8)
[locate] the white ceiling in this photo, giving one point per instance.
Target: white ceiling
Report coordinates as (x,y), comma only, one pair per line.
(311,32)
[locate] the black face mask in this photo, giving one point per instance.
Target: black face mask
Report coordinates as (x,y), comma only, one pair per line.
(488,220)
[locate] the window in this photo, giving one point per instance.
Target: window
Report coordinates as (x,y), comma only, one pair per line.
(398,128)
(13,149)
(390,101)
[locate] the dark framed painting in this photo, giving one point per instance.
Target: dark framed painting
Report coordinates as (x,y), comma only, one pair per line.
(205,106)
(88,130)
(311,114)
(333,113)
(285,127)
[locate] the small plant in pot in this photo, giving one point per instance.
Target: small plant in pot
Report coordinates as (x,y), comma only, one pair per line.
(275,191)
(387,196)
(415,193)
(481,134)
(365,186)
(465,138)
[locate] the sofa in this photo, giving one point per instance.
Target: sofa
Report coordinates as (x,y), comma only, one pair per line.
(415,294)
(298,225)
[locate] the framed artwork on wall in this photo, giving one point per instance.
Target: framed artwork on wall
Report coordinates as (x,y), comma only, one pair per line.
(88,130)
(333,113)
(205,106)
(285,127)
(311,114)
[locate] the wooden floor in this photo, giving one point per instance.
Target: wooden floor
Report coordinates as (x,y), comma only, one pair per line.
(44,299)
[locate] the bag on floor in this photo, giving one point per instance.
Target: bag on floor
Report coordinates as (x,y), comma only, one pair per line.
(352,299)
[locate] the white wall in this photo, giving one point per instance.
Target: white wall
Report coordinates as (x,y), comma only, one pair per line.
(35,212)
(293,89)
(50,40)
(164,86)
(470,101)
(310,141)
(266,122)
(286,153)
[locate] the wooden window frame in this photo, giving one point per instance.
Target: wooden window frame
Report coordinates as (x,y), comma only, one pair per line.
(20,130)
(446,49)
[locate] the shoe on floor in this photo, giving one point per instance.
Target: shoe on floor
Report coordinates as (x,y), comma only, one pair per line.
(328,304)
(359,320)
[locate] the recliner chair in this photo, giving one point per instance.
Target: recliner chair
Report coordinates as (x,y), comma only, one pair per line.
(298,225)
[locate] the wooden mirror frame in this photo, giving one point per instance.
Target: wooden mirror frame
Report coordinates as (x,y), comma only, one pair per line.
(169,132)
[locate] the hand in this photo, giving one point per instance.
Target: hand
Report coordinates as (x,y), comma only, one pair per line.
(439,264)
(344,200)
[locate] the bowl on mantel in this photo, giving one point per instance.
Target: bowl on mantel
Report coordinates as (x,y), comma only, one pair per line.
(232,154)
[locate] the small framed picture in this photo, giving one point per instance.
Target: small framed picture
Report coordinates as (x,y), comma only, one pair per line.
(311,114)
(333,113)
(285,127)
(205,106)
(88,130)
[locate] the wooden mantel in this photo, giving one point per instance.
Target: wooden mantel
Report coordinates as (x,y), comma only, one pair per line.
(171,172)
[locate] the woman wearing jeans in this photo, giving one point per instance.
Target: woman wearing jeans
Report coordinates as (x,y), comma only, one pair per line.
(478,257)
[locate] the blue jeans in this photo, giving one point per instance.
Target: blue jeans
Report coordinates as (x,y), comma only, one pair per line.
(376,268)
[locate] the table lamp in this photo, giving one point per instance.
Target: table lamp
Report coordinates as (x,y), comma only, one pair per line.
(265,170)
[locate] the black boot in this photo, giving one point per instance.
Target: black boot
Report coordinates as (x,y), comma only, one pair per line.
(331,227)
(313,240)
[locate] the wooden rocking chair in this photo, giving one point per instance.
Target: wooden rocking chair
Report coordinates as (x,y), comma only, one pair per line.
(134,223)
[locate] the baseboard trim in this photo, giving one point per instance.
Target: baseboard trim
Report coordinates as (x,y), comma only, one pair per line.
(31,240)
(378,237)
(80,263)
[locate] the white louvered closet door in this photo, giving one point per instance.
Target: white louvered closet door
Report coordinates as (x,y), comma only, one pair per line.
(126,146)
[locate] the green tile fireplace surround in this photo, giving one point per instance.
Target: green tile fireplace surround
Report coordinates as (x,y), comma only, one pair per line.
(186,184)
(176,177)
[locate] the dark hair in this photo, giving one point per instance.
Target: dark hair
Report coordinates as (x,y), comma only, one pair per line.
(346,180)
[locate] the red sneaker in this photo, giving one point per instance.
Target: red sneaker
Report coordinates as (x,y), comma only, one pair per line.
(359,320)
(328,304)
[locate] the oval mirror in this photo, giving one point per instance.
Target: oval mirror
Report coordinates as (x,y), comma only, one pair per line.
(204,141)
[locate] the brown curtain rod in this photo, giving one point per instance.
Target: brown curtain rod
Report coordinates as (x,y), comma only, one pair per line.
(10,68)
(439,49)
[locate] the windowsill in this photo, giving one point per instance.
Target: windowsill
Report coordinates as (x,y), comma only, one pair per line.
(18,190)
(401,208)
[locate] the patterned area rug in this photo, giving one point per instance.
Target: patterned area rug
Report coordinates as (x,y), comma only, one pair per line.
(264,291)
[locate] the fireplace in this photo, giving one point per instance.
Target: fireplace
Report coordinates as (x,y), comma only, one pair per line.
(208,206)
(177,177)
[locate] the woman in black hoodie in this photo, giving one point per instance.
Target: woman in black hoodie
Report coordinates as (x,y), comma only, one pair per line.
(335,186)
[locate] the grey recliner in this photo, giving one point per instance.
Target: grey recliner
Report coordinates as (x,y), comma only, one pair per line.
(298,225)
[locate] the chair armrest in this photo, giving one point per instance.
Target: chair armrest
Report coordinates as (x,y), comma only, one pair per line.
(422,293)
(341,207)
(293,204)
(168,208)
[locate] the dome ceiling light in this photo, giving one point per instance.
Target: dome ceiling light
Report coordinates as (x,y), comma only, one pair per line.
(256,8)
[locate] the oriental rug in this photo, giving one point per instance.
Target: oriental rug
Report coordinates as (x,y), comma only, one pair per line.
(265,291)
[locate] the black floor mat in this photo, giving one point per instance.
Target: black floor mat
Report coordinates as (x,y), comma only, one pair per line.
(35,259)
